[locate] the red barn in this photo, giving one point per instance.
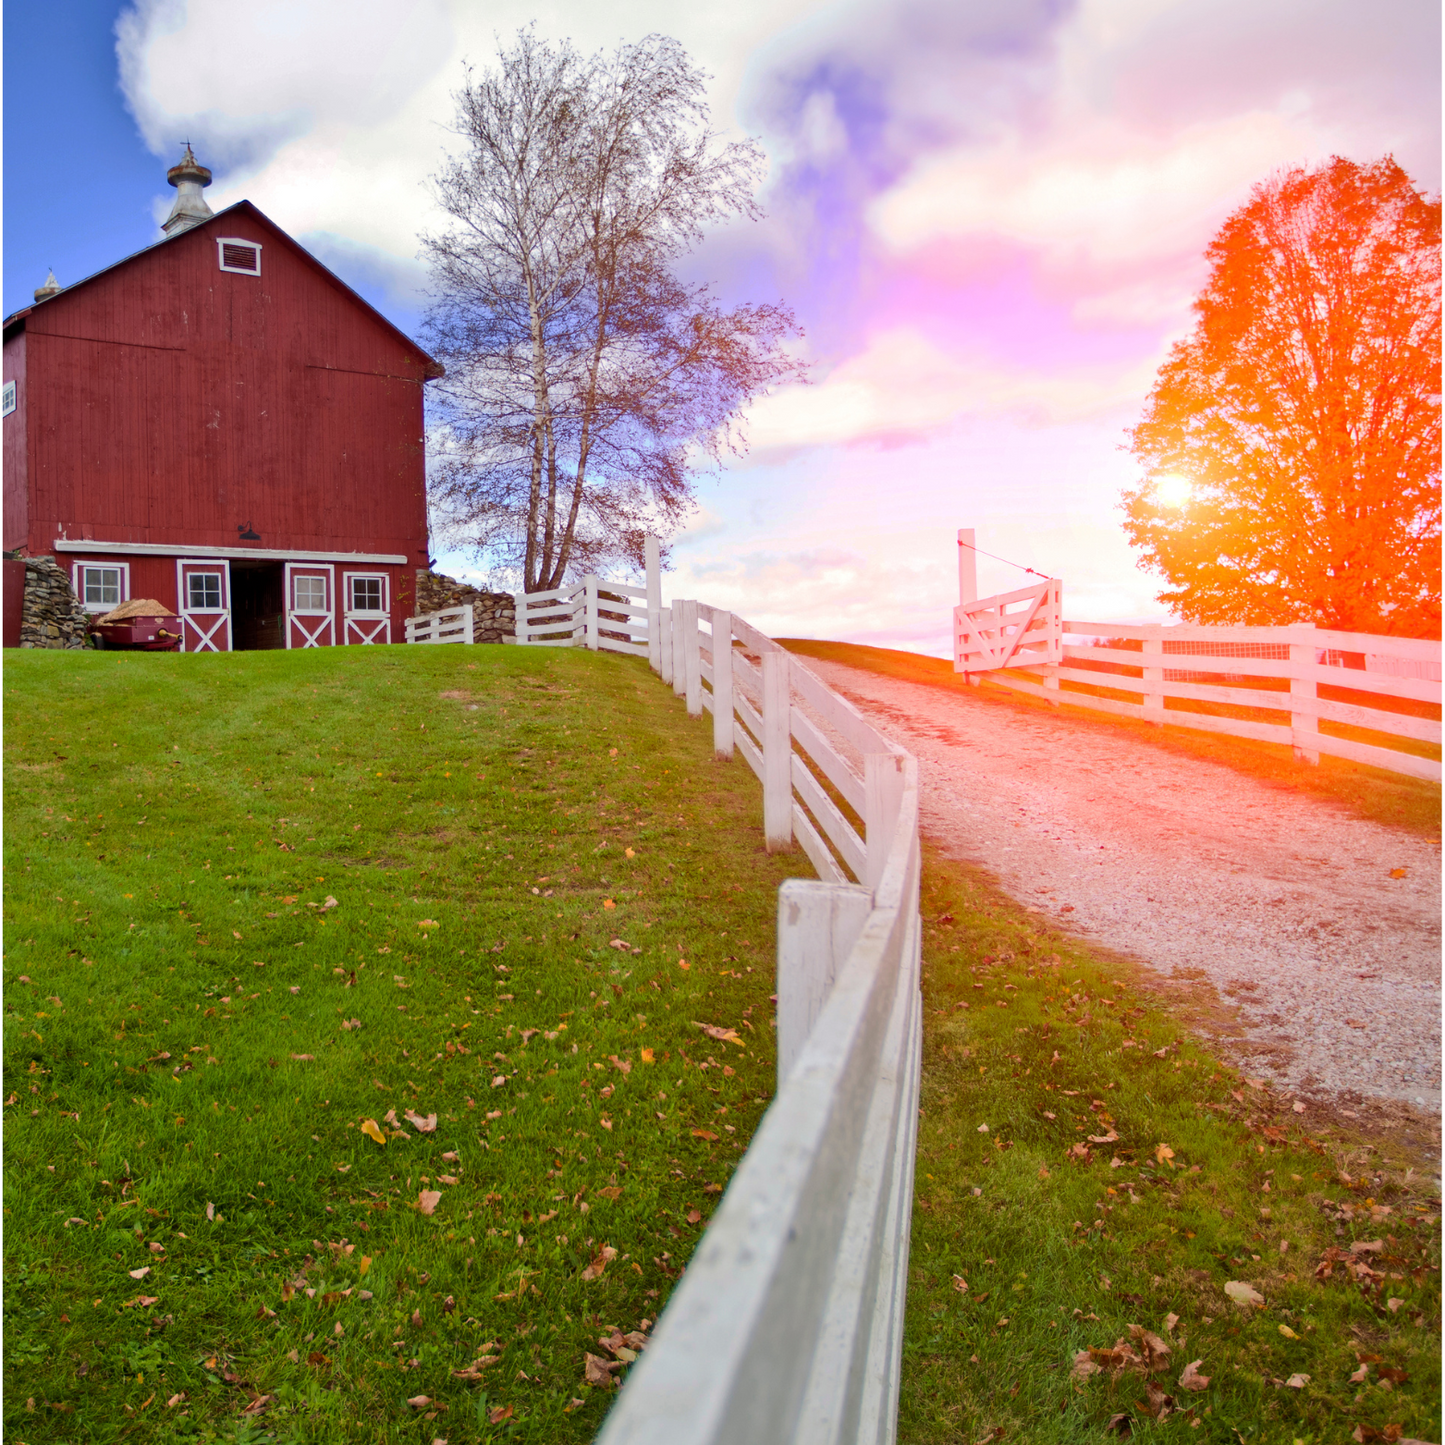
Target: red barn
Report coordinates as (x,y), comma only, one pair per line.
(220,423)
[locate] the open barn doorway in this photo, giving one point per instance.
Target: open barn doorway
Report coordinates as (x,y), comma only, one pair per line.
(257,606)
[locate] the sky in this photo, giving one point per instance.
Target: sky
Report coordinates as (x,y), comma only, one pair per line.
(988,215)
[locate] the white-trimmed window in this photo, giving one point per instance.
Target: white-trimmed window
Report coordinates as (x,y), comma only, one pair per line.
(8,404)
(101,585)
(238,255)
(203,592)
(308,594)
(365,593)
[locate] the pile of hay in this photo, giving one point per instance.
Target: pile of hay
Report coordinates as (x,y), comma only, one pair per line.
(137,607)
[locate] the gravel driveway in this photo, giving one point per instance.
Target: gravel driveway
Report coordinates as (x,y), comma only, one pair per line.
(1282,902)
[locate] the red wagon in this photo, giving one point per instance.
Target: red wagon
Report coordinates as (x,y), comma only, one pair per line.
(141,625)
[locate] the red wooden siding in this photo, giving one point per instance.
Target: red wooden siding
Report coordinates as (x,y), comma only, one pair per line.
(166,401)
(17,486)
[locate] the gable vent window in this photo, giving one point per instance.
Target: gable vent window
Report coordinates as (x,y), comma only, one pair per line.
(242,257)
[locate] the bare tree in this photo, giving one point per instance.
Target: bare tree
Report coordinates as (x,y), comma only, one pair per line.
(584,378)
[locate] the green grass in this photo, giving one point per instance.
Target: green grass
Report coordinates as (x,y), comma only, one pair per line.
(1047,1044)
(1370,793)
(183,1091)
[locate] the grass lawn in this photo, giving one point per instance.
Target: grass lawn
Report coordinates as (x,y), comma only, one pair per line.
(1084,1171)
(1371,793)
(352,1006)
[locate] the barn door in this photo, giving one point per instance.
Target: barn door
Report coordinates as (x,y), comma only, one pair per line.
(367,617)
(204,600)
(310,605)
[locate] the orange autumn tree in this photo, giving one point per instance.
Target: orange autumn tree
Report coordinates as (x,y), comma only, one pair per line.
(1303,414)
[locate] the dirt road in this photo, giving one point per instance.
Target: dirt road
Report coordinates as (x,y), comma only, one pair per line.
(1284,903)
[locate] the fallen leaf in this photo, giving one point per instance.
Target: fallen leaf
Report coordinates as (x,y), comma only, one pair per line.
(983,1129)
(704,1134)
(1367,1246)
(1084,1366)
(1169,1322)
(419,1402)
(598,1371)
(1363,1373)
(1393,1305)
(1191,1379)
(498,1414)
(608,903)
(1163,1153)
(304,1058)
(422,1126)
(372,1130)
(1155,1350)
(624,1064)
(1110,1138)
(647,1056)
(350,1024)
(600,1261)
(960,1284)
(1297,1382)
(725,1036)
(1288,1333)
(140,1273)
(1297,1107)
(1120,1425)
(1398,872)
(428,1200)
(1242,1293)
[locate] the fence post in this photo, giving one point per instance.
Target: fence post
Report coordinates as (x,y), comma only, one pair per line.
(589,595)
(654,604)
(1051,682)
(519,617)
(967,592)
(692,659)
(967,567)
(882,798)
(679,644)
(818,924)
(664,643)
(722,683)
(1153,695)
(1301,656)
(777,752)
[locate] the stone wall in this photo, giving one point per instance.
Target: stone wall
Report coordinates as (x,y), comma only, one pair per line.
(494,614)
(52,615)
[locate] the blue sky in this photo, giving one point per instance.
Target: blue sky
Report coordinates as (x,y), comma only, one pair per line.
(989,216)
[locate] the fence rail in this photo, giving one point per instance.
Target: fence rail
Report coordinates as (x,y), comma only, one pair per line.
(451,624)
(788,1322)
(1299,660)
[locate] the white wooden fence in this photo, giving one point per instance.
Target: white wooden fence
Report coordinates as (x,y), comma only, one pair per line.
(451,624)
(1020,639)
(788,1323)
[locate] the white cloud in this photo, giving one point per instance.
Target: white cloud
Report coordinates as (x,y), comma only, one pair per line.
(903,384)
(1099,195)
(330,116)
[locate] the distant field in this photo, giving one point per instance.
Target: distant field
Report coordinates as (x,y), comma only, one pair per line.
(352,1036)
(1368,792)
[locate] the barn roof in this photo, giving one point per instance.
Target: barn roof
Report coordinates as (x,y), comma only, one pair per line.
(432,368)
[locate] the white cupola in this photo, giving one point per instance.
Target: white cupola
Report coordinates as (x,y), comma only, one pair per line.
(190,179)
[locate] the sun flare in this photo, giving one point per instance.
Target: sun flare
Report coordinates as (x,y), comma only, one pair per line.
(1173,490)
